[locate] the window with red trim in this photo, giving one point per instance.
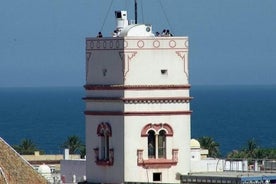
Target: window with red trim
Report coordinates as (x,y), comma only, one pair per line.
(156,148)
(151,144)
(157,144)
(162,144)
(104,155)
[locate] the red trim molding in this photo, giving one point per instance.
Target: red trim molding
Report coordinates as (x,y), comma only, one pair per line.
(143,113)
(157,128)
(157,163)
(142,100)
(108,162)
(135,87)
(104,129)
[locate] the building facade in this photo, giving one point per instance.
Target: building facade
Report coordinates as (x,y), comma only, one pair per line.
(137,107)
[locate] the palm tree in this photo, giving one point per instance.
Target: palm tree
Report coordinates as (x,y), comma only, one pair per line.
(26,147)
(212,146)
(83,151)
(236,154)
(251,148)
(252,151)
(73,143)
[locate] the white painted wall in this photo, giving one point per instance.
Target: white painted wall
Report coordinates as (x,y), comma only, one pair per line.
(207,165)
(236,165)
(136,124)
(137,61)
(97,173)
(68,168)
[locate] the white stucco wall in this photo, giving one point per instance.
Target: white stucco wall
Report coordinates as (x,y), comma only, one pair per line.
(135,64)
(236,165)
(97,173)
(104,64)
(154,55)
(207,165)
(68,168)
(133,127)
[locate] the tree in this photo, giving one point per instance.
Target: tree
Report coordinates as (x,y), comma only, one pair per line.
(82,151)
(74,144)
(252,151)
(26,147)
(251,148)
(212,146)
(235,154)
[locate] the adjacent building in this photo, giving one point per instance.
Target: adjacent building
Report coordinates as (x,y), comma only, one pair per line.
(15,169)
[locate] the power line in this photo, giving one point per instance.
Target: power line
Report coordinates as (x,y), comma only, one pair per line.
(164,12)
(110,5)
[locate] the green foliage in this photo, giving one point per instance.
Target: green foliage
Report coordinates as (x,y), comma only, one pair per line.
(26,147)
(82,151)
(252,150)
(212,146)
(75,145)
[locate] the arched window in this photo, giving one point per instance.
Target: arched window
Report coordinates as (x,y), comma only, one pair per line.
(104,132)
(104,155)
(157,144)
(162,144)
(157,135)
(158,138)
(104,147)
(151,144)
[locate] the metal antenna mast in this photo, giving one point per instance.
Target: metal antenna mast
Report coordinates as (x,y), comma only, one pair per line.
(135,10)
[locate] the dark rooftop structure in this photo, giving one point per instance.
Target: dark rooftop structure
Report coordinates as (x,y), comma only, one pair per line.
(230,177)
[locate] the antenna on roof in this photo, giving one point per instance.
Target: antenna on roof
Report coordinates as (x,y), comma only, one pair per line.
(135,10)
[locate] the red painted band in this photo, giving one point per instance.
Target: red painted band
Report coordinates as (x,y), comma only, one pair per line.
(117,113)
(138,99)
(135,87)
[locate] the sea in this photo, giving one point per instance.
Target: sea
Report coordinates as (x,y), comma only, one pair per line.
(231,115)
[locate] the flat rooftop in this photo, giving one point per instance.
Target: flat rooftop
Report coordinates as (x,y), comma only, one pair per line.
(229,177)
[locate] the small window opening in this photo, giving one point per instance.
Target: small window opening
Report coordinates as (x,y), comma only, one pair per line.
(104,71)
(118,14)
(157,176)
(164,72)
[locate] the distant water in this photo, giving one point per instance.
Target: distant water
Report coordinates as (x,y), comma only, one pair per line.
(45,115)
(235,114)
(230,114)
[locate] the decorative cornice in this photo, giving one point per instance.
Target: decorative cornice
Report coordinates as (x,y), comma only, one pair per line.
(183,55)
(142,100)
(136,113)
(150,43)
(135,87)
(126,57)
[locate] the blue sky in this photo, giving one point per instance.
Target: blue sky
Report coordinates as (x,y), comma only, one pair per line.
(42,42)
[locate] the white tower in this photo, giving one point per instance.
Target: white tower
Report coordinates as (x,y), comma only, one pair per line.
(137,107)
